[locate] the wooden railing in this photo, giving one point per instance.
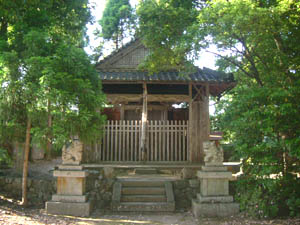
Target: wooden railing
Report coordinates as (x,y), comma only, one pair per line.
(166,141)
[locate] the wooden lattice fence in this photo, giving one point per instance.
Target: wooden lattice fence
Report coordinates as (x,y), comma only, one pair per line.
(166,141)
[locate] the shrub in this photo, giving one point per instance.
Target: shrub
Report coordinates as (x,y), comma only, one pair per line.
(266,197)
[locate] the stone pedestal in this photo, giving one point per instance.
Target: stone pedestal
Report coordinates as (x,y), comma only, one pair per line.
(71,181)
(70,198)
(214,199)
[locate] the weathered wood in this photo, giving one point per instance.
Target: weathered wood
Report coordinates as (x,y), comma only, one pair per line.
(148,141)
(118,128)
(172,140)
(166,141)
(198,122)
(128,58)
(116,143)
(117,98)
(184,142)
(136,142)
(151,130)
(111,142)
(144,124)
(175,142)
(180,149)
(123,148)
(149,107)
(130,143)
(105,147)
(190,121)
(155,140)
(122,112)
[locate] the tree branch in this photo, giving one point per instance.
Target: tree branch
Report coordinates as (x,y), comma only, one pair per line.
(232,62)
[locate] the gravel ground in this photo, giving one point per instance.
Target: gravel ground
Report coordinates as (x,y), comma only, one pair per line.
(12,213)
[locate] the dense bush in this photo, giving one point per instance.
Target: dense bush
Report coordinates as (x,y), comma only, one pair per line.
(269,197)
(5,159)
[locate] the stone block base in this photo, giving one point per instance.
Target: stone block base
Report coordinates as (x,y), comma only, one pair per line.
(68,208)
(214,199)
(69,198)
(214,209)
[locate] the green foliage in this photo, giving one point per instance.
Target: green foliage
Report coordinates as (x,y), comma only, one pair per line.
(117,22)
(45,72)
(166,28)
(261,116)
(4,157)
(258,41)
(269,197)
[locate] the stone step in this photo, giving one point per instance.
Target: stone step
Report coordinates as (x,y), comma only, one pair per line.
(145,171)
(144,207)
(143,190)
(143,198)
(142,183)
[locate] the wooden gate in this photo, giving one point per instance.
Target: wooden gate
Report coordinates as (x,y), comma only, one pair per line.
(166,141)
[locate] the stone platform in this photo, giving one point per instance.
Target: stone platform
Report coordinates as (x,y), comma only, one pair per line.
(69,208)
(70,198)
(214,199)
(220,209)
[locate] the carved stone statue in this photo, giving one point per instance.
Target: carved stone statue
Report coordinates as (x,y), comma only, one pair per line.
(72,154)
(213,153)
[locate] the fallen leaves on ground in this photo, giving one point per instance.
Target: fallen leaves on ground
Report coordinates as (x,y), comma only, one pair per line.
(11,212)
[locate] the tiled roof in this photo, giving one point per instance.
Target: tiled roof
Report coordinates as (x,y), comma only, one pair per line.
(201,75)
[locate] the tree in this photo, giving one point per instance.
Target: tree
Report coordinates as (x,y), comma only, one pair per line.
(165,28)
(257,41)
(46,75)
(117,21)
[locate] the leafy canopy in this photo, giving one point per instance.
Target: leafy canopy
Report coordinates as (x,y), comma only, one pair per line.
(165,27)
(258,42)
(44,70)
(117,21)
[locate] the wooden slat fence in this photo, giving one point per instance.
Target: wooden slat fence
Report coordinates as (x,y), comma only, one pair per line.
(166,141)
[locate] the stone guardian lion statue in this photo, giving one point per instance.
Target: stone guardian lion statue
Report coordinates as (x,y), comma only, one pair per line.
(212,153)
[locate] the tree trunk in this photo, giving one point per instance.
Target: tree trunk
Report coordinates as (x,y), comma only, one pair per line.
(49,138)
(25,165)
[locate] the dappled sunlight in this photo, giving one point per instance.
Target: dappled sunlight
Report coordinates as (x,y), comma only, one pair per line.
(110,220)
(11,200)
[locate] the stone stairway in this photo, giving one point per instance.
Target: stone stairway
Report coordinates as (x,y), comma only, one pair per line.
(141,195)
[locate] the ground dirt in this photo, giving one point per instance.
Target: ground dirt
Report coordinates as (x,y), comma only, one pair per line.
(12,213)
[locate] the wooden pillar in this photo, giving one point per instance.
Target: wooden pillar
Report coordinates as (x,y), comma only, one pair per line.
(144,124)
(199,124)
(122,111)
(204,114)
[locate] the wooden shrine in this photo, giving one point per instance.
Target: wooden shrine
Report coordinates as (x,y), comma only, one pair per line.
(142,123)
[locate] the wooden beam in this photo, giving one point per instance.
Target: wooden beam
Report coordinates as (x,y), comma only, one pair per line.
(144,124)
(125,98)
(149,107)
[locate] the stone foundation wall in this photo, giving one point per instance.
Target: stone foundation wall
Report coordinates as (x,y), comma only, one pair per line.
(185,190)
(39,190)
(99,189)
